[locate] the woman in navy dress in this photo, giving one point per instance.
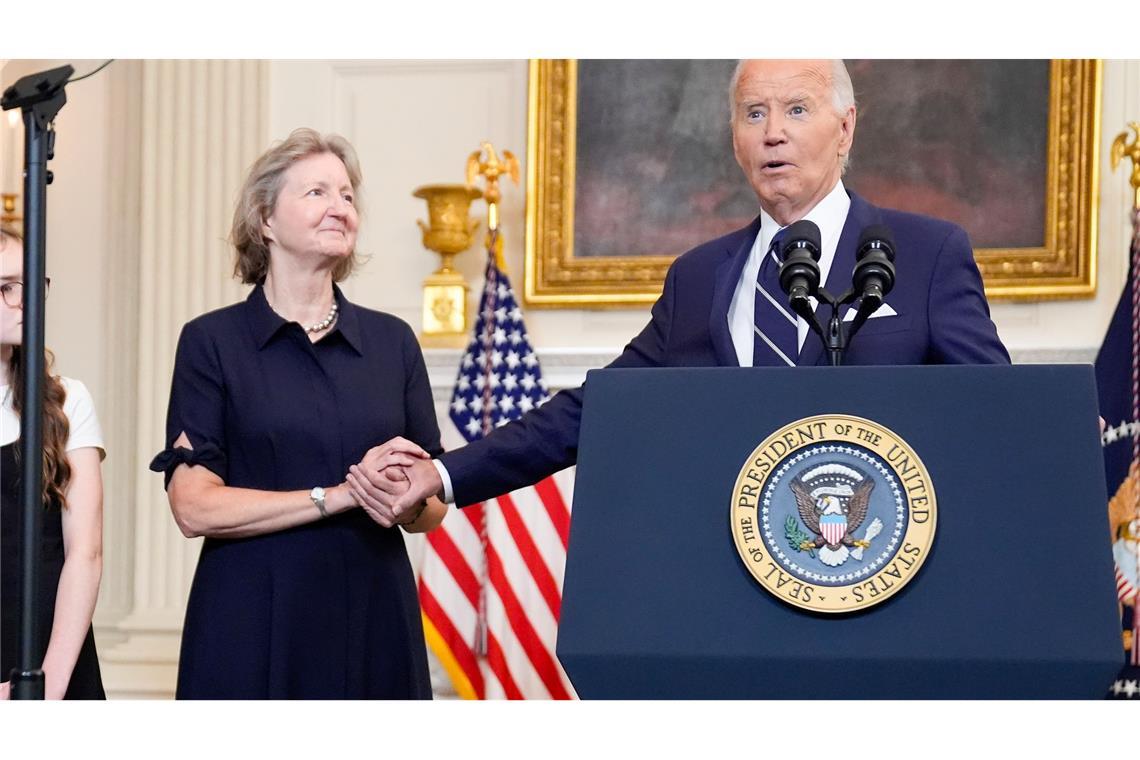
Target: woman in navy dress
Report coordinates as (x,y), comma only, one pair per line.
(297,594)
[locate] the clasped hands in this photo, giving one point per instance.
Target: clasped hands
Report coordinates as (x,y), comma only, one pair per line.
(393,480)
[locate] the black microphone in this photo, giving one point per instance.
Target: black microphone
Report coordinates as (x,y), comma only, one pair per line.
(799,274)
(874,274)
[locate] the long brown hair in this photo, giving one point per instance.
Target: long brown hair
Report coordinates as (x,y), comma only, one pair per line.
(56,429)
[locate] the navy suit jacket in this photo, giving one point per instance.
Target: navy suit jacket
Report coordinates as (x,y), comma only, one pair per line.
(941,318)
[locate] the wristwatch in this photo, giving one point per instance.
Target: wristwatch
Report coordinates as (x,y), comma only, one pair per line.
(318,497)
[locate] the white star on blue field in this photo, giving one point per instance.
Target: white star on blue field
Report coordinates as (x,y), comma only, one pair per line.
(499,377)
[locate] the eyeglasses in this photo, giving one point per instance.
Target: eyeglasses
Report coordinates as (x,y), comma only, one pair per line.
(13,292)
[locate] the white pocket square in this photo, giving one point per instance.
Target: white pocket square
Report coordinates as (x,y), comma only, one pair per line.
(883,311)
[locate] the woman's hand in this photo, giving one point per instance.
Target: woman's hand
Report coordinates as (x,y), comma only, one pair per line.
(377,500)
(339,499)
(399,451)
(379,480)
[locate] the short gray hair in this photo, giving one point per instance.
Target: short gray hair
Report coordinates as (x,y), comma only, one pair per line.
(842,93)
(258,197)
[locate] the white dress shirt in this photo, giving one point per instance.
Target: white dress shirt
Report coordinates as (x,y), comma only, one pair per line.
(448,492)
(829,215)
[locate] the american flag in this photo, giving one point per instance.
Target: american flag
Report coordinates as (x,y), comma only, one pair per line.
(491,580)
(1118,386)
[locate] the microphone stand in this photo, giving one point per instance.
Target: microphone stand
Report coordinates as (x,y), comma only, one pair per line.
(836,340)
(39,96)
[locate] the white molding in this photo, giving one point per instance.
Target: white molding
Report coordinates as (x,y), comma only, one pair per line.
(1054,355)
(567,367)
(144,666)
(561,367)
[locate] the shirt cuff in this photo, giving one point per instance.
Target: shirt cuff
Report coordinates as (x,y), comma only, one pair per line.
(448,494)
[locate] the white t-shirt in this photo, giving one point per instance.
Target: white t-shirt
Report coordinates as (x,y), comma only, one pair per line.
(80,411)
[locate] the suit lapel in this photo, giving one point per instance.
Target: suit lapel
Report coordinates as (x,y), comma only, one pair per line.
(726,278)
(859,215)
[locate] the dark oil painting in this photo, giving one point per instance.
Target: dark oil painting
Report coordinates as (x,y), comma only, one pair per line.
(963,140)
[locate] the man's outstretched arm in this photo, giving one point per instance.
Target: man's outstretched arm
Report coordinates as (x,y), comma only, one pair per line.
(521,453)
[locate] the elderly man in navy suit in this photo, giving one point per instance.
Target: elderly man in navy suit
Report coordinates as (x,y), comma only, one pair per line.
(793,124)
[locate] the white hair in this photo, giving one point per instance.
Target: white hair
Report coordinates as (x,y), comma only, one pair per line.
(842,93)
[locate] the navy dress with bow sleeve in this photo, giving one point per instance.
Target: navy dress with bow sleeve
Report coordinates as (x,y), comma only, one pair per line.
(322,610)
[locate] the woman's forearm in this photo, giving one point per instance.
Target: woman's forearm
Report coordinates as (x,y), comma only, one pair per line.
(74,606)
(78,586)
(204,506)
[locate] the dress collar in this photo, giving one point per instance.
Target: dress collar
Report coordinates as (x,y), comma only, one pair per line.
(266,323)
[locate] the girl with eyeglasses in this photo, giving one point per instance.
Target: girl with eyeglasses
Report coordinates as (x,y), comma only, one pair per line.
(71,543)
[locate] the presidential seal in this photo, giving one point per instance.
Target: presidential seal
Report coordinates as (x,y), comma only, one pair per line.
(833,513)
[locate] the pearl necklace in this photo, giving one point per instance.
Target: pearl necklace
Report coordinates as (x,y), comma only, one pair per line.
(325,323)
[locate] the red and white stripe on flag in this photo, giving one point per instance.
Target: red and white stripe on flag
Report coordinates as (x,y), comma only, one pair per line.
(525,560)
(491,579)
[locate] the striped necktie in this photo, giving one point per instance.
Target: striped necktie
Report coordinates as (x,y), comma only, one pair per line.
(775,334)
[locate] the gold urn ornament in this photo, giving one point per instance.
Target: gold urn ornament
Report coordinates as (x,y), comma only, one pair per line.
(449,231)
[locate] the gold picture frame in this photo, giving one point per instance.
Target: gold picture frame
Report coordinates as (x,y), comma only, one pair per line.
(1064,267)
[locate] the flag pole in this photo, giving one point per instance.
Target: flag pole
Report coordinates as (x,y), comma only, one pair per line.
(1121,149)
(485,163)
(490,167)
